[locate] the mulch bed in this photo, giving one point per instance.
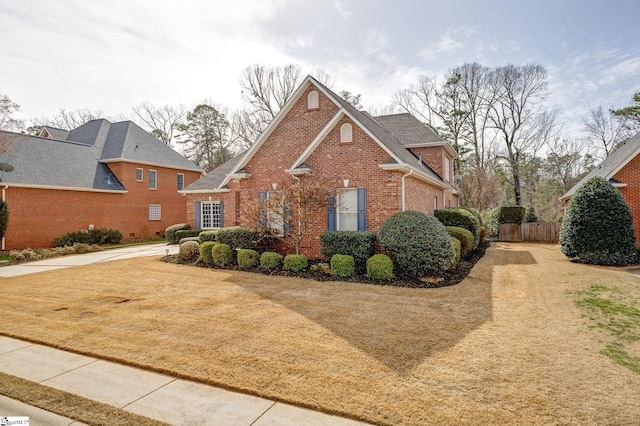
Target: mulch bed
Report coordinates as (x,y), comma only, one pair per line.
(449,278)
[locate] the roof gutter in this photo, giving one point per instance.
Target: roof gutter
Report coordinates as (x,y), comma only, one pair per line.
(418,174)
(403,196)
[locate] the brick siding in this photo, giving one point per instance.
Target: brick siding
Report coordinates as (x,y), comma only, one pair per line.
(630,174)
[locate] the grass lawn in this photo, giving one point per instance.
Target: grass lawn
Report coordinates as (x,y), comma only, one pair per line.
(509,345)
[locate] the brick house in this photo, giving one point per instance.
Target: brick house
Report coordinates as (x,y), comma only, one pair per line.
(380,165)
(622,169)
(101,174)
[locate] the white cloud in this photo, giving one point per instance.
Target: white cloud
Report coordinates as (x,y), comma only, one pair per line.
(448,43)
(344,13)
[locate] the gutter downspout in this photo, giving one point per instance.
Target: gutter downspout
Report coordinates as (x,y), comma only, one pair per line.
(4,196)
(403,196)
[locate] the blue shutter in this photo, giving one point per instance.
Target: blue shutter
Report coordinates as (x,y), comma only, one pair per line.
(362,209)
(198,209)
(287,222)
(331,214)
(262,218)
(221,214)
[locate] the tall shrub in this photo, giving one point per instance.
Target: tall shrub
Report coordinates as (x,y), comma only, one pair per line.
(418,243)
(359,244)
(457,216)
(597,227)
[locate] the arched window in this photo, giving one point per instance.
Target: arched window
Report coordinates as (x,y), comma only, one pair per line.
(346,133)
(312,100)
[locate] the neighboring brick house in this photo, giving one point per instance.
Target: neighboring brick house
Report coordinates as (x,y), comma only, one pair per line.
(622,169)
(380,165)
(101,174)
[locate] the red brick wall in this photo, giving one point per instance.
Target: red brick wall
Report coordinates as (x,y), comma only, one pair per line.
(357,161)
(38,216)
(630,174)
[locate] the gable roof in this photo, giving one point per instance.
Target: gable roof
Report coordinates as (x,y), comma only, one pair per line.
(611,165)
(412,132)
(214,178)
(79,161)
(400,156)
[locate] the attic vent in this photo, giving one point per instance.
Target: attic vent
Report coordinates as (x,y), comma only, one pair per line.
(313,100)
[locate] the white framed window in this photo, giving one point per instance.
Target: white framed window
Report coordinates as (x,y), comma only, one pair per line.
(347,210)
(313,100)
(139,174)
(155,212)
(180,181)
(153,179)
(211,214)
(346,133)
(447,169)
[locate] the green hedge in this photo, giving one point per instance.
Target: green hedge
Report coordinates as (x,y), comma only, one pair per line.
(456,216)
(186,233)
(207,236)
(380,267)
(205,251)
(464,237)
(271,260)
(295,262)
(170,232)
(95,236)
(248,258)
(493,224)
(418,243)
(343,265)
(359,244)
(222,255)
(457,247)
(512,214)
(475,213)
(242,237)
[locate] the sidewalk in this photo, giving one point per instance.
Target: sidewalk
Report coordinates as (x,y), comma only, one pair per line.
(150,394)
(157,249)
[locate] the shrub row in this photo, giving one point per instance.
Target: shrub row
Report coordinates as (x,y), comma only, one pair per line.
(94,236)
(360,245)
(45,253)
(460,217)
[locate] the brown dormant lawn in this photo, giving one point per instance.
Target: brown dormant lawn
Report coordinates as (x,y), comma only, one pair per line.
(508,345)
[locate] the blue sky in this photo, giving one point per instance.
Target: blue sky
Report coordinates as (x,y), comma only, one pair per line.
(111,56)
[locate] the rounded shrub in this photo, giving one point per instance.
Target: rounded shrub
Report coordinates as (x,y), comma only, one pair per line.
(271,260)
(456,216)
(185,239)
(222,255)
(531,215)
(475,213)
(419,243)
(170,232)
(205,251)
(207,236)
(597,227)
(457,246)
(464,237)
(295,262)
(248,258)
(189,251)
(380,267)
(343,265)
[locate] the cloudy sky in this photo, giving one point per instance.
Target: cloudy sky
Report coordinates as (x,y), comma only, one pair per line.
(113,55)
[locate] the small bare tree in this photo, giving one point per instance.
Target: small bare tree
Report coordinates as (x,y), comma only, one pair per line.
(291,208)
(68,120)
(7,109)
(162,121)
(604,130)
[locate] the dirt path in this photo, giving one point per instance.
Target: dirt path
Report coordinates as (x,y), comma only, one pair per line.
(505,346)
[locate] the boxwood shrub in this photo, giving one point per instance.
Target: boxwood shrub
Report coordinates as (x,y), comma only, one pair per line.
(95,236)
(597,227)
(189,251)
(207,236)
(464,237)
(222,255)
(456,216)
(380,267)
(418,243)
(343,265)
(295,262)
(271,260)
(187,233)
(170,232)
(512,214)
(243,237)
(457,247)
(248,258)
(185,239)
(205,251)
(359,244)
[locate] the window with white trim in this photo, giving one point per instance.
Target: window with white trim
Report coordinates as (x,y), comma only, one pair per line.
(155,212)
(347,210)
(180,181)
(139,174)
(153,179)
(313,100)
(211,214)
(346,133)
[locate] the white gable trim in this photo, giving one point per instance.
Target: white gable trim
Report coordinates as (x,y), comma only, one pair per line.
(447,146)
(204,191)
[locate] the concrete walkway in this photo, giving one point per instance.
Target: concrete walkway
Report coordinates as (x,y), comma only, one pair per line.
(150,394)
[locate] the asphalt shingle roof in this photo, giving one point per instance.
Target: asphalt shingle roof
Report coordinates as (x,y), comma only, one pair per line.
(215,177)
(610,164)
(408,129)
(81,159)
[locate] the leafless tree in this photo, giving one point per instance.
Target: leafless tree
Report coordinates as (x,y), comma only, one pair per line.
(68,120)
(7,109)
(517,115)
(604,131)
(162,122)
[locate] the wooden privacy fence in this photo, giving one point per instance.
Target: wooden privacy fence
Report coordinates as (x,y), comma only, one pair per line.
(540,232)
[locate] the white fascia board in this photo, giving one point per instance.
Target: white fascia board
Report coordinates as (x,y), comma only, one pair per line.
(147,163)
(447,146)
(405,168)
(205,191)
